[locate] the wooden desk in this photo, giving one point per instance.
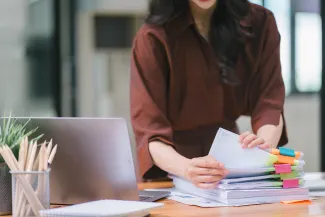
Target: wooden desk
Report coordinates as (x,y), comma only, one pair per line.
(173,209)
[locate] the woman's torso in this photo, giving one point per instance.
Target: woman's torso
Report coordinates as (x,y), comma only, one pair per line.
(198,102)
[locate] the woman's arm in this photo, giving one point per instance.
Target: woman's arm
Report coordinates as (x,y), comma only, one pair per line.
(165,157)
(271,134)
(204,172)
(267,94)
(268,136)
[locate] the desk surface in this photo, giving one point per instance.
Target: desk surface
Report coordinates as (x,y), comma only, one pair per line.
(173,209)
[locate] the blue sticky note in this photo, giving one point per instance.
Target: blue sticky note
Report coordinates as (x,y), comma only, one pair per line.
(287,152)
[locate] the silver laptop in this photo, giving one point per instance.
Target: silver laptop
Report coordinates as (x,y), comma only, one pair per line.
(93,161)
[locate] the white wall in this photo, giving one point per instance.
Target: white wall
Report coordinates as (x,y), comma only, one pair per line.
(115,6)
(12,76)
(14,80)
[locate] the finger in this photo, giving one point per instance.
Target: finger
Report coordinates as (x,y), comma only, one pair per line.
(207,179)
(207,162)
(194,171)
(207,185)
(256,142)
(265,146)
(243,136)
(248,140)
(216,164)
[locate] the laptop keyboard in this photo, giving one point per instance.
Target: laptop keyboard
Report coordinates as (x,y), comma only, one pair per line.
(144,197)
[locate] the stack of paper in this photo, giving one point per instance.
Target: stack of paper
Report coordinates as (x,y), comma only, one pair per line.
(255,176)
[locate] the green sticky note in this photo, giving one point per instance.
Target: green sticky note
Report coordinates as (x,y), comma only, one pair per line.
(296,163)
(291,175)
(277,184)
(271,160)
(270,169)
(294,168)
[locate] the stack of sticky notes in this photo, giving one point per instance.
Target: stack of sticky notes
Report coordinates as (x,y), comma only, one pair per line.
(255,176)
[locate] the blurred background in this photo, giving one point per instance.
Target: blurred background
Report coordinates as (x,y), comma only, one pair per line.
(72,58)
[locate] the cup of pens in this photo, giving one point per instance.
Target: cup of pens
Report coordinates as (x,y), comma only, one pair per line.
(40,182)
(30,177)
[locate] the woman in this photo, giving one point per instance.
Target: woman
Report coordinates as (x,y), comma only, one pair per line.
(198,65)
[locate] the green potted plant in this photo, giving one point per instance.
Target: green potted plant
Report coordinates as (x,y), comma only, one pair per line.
(12,133)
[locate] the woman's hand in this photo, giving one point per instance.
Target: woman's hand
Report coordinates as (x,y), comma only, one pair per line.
(250,140)
(205,172)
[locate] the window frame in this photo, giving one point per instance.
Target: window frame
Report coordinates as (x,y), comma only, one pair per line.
(293,83)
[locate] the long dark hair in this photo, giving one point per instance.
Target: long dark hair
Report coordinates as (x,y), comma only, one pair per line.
(227,36)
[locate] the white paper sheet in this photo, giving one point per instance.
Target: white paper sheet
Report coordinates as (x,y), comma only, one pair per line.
(317,193)
(193,200)
(103,208)
(300,174)
(227,149)
(189,199)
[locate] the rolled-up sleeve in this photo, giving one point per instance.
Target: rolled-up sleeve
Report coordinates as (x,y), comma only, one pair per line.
(268,90)
(148,95)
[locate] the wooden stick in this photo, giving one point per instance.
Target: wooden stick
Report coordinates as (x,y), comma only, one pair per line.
(21,158)
(29,168)
(27,188)
(42,166)
(12,157)
(53,153)
(42,158)
(21,161)
(49,149)
(45,165)
(23,209)
(20,203)
(31,158)
(30,147)
(35,167)
(26,150)
(22,154)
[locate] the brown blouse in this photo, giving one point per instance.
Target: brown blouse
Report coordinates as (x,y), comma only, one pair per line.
(177,95)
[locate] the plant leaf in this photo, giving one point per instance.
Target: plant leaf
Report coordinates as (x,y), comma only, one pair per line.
(12,133)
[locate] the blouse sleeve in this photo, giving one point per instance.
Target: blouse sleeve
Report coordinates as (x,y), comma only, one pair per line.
(149,74)
(268,91)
